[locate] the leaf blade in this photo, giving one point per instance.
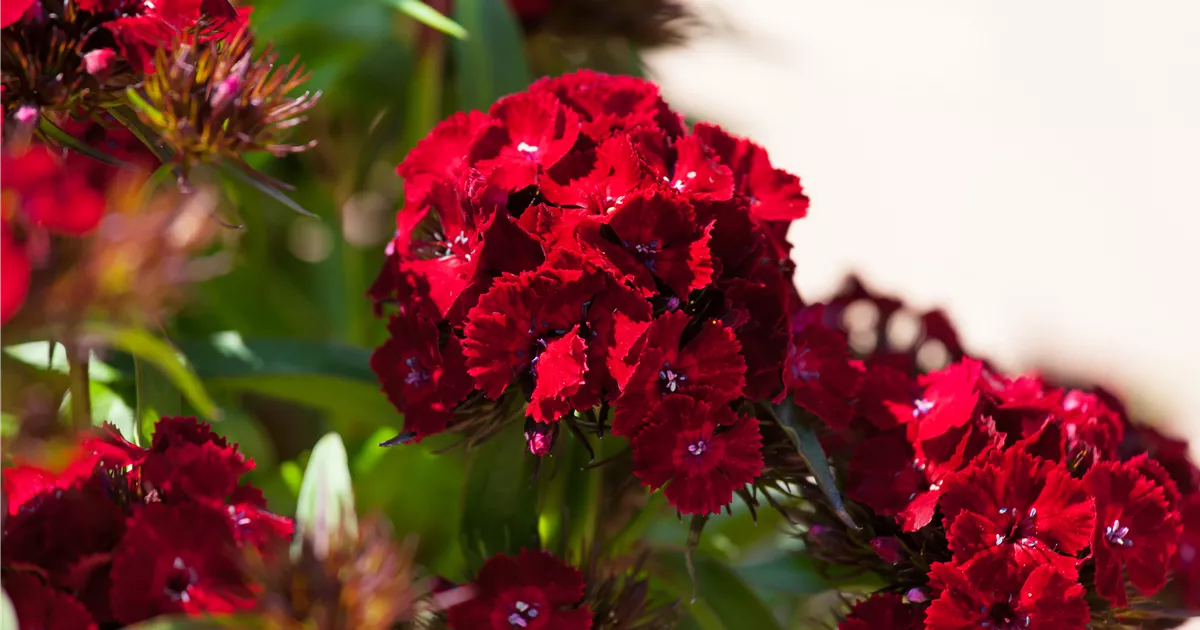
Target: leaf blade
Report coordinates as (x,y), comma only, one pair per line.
(163,356)
(809,448)
(492,62)
(429,16)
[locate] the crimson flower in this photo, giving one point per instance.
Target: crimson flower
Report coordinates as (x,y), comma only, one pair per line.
(710,361)
(178,559)
(775,194)
(187,460)
(422,377)
(12,10)
(14,273)
(818,371)
(885,474)
(992,592)
(530,591)
(41,607)
(1136,530)
(49,195)
(1029,507)
(599,181)
(529,132)
(605,104)
(701,452)
(883,611)
(1186,565)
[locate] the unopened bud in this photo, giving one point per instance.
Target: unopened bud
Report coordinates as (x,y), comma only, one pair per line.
(99,62)
(26,114)
(888,549)
(917,595)
(540,436)
(225,91)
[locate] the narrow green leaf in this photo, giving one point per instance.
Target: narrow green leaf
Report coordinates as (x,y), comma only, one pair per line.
(107,407)
(695,529)
(723,593)
(143,107)
(156,396)
(429,16)
(810,450)
(8,614)
(492,63)
(500,507)
(56,134)
(142,345)
(148,137)
(247,175)
(325,508)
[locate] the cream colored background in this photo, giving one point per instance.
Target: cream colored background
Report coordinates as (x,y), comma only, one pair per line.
(1030,165)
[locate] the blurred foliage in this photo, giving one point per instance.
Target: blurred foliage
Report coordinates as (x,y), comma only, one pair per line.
(275,351)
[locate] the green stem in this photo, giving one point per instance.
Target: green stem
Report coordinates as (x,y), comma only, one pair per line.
(81,395)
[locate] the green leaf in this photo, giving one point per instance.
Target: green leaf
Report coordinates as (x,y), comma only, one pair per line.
(8,614)
(723,595)
(810,450)
(492,63)
(107,407)
(325,509)
(145,108)
(429,16)
(500,506)
(156,396)
(154,351)
(321,375)
(247,175)
(56,134)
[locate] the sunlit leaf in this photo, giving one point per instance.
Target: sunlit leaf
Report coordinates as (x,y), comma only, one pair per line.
(60,137)
(107,407)
(156,396)
(146,347)
(500,507)
(8,614)
(429,16)
(261,183)
(491,63)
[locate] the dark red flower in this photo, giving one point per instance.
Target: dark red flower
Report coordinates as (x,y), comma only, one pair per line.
(885,474)
(1029,507)
(949,400)
(188,461)
(701,452)
(1172,454)
(607,103)
(530,591)
(14,273)
(818,371)
(1092,430)
(50,196)
(12,10)
(710,361)
(774,194)
(757,313)
(1135,530)
(529,132)
(992,592)
(441,155)
(178,559)
(1187,560)
(253,524)
(422,376)
(883,611)
(654,237)
(611,176)
(143,27)
(41,607)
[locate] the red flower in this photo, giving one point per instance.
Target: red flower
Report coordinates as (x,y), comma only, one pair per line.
(529,133)
(143,27)
(611,174)
(423,377)
(253,524)
(818,371)
(12,10)
(15,268)
(655,238)
(883,611)
(992,592)
(178,559)
(188,461)
(607,103)
(702,452)
(710,361)
(949,400)
(886,475)
(1135,529)
(1187,561)
(1172,454)
(774,194)
(1030,508)
(530,591)
(757,313)
(441,155)
(50,196)
(41,607)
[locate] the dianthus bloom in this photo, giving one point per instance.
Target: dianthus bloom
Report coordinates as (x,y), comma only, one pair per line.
(530,591)
(577,249)
(124,533)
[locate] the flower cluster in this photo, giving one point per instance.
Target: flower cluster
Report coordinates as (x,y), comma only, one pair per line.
(578,249)
(985,500)
(126,533)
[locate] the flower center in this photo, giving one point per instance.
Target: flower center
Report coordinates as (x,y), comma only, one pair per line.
(1117,535)
(1023,530)
(528,150)
(1003,617)
(522,614)
(645,252)
(799,366)
(921,407)
(698,447)
(416,375)
(670,379)
(181,578)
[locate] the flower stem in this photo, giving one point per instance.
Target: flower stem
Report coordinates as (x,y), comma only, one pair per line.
(81,396)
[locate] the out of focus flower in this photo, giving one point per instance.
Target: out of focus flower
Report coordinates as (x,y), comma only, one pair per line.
(40,607)
(366,583)
(995,593)
(619,595)
(530,591)
(217,98)
(883,612)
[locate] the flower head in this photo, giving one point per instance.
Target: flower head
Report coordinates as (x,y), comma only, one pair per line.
(883,612)
(530,591)
(992,592)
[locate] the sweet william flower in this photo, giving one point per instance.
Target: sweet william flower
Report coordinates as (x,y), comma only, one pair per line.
(1136,532)
(532,590)
(529,132)
(41,607)
(1186,565)
(992,592)
(605,103)
(775,194)
(668,363)
(1029,508)
(701,452)
(818,371)
(178,559)
(883,611)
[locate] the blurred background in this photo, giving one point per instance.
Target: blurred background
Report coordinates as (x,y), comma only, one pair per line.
(1029,166)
